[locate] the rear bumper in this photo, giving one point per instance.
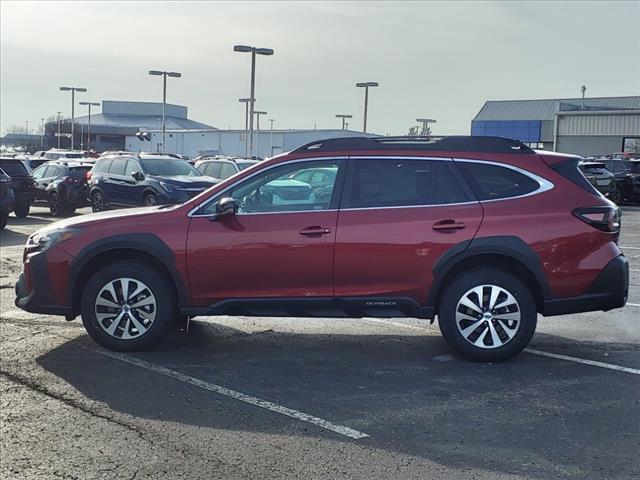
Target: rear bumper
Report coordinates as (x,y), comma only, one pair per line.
(609,290)
(36,296)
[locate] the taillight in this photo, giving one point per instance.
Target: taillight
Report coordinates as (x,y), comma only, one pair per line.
(87,175)
(606,219)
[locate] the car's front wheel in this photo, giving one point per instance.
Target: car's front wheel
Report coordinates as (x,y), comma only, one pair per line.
(487,315)
(128,306)
(150,200)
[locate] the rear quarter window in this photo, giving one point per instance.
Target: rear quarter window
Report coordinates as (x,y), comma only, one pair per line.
(493,182)
(13,167)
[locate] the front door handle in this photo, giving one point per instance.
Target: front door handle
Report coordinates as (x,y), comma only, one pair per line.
(444,225)
(314,231)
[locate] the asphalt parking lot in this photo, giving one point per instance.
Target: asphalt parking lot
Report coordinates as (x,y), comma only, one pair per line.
(239,397)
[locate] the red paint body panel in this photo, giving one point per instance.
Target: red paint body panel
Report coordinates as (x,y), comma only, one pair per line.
(391,251)
(264,255)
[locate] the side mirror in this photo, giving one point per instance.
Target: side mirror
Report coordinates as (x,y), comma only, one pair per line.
(226,206)
(137,176)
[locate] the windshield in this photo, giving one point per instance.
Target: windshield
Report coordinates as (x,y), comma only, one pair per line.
(74,155)
(243,165)
(169,167)
(79,171)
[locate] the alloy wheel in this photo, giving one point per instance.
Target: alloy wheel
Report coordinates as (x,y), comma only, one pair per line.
(488,316)
(97,202)
(125,308)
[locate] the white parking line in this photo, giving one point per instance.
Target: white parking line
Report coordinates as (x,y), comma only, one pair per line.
(538,352)
(633,305)
(212,387)
(583,360)
(630,248)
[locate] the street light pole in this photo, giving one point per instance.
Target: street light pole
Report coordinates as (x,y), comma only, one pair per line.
(257,114)
(59,118)
(425,124)
(366,86)
(89,104)
(344,118)
(246,102)
(164,97)
(41,132)
(252,98)
(271,120)
(73,91)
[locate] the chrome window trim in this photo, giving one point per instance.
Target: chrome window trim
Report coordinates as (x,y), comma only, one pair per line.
(544,184)
(191,213)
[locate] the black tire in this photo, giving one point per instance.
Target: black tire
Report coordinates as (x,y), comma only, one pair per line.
(98,203)
(57,208)
(454,293)
(4,216)
(22,209)
(150,200)
(165,306)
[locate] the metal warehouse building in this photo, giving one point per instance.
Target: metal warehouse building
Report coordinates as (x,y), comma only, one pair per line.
(590,126)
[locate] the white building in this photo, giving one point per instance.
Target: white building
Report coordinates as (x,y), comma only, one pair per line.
(266,143)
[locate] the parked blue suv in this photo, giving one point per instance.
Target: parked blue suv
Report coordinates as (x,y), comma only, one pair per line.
(143,180)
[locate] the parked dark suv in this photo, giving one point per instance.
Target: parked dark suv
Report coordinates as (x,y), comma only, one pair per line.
(7,198)
(601,178)
(62,185)
(145,179)
(482,232)
(626,172)
(21,184)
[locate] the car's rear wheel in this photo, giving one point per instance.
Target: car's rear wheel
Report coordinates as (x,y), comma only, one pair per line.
(128,306)
(97,201)
(150,200)
(57,206)
(22,209)
(4,217)
(487,315)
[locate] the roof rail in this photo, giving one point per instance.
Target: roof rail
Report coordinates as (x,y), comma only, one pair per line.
(458,143)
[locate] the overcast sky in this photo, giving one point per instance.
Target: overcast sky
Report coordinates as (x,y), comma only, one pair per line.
(437,60)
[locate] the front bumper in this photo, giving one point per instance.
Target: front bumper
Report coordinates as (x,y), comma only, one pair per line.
(609,290)
(33,289)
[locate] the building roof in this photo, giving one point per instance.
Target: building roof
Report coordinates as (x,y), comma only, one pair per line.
(546,109)
(124,117)
(141,121)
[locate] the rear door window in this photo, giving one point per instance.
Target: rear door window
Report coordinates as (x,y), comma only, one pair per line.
(393,182)
(215,169)
(493,182)
(118,166)
(227,170)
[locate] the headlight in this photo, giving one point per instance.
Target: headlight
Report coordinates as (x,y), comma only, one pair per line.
(167,186)
(42,241)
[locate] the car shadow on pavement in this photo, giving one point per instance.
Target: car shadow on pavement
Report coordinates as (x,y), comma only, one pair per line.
(10,238)
(530,416)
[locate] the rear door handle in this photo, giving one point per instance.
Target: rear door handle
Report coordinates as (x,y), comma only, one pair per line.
(314,231)
(444,225)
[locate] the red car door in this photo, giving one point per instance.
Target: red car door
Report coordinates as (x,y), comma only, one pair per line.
(397,217)
(279,244)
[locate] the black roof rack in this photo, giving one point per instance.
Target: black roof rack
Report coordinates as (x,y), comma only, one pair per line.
(458,143)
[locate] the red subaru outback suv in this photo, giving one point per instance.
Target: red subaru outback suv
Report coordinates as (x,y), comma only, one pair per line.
(482,232)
